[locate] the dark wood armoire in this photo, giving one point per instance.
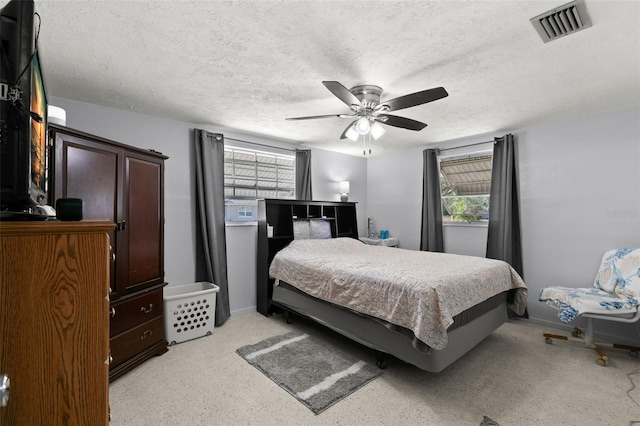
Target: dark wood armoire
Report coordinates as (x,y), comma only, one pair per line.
(125,185)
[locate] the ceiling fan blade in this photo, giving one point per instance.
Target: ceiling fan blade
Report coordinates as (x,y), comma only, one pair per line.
(344,134)
(342,93)
(313,117)
(413,99)
(402,122)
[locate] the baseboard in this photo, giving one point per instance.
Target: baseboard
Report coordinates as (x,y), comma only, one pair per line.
(244,310)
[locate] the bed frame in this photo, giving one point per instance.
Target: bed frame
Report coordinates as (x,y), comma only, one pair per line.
(363,329)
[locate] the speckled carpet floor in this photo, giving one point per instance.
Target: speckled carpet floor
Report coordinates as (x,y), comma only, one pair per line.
(512,378)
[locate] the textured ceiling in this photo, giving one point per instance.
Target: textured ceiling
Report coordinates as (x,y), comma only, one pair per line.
(246,65)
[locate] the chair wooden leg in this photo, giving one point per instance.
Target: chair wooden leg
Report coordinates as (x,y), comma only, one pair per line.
(603,357)
(633,350)
(555,336)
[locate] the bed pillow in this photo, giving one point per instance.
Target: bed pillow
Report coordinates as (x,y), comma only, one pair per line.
(320,229)
(301,230)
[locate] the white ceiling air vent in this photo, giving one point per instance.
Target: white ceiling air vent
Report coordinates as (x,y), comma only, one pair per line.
(562,21)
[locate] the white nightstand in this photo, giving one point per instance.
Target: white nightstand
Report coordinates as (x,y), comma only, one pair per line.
(387,242)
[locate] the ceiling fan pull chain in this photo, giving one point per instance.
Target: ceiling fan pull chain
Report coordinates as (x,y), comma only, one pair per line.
(365,139)
(364,145)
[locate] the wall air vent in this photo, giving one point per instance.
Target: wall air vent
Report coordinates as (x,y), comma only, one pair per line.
(562,21)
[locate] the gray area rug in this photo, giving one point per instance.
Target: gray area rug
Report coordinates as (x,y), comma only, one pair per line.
(314,372)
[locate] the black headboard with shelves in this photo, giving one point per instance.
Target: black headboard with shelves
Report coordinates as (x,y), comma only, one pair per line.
(281,214)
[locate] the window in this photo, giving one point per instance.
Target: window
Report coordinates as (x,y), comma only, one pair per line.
(465,184)
(251,174)
(245,212)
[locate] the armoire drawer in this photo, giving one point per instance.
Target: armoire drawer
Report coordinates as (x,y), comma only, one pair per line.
(130,343)
(135,311)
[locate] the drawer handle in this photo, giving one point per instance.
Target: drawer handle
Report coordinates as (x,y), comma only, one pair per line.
(113,312)
(146,334)
(147,310)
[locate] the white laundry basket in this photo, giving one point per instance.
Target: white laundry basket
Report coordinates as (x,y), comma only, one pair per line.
(189,311)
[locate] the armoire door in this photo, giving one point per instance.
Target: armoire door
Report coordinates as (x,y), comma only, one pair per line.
(144,231)
(92,172)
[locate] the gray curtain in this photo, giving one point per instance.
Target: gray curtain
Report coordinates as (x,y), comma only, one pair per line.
(303,174)
(211,248)
(503,239)
(431,236)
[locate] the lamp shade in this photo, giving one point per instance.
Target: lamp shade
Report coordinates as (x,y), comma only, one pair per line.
(377,130)
(344,187)
(56,115)
(351,133)
(363,126)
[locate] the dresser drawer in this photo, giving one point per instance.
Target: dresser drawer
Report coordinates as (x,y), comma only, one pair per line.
(135,311)
(136,340)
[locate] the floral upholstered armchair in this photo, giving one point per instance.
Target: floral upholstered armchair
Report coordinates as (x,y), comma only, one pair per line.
(615,296)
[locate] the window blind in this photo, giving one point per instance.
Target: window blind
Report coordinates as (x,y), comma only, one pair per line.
(257,174)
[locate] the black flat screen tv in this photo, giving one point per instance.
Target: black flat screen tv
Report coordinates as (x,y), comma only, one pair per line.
(23,116)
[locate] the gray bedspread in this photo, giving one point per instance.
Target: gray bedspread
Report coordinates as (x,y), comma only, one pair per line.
(418,290)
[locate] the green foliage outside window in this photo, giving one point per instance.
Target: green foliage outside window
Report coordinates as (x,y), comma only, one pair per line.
(466,208)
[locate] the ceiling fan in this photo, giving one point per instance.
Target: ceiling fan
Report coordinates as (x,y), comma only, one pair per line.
(368,111)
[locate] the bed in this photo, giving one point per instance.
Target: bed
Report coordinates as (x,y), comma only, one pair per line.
(427,309)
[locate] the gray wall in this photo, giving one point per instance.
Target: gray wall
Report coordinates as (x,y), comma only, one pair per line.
(580,196)
(394,194)
(242,268)
(466,239)
(328,169)
(175,139)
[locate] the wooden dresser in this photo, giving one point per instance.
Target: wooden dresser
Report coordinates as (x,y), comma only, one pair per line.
(125,185)
(54,324)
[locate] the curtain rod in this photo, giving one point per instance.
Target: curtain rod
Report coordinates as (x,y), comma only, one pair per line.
(465,146)
(260,144)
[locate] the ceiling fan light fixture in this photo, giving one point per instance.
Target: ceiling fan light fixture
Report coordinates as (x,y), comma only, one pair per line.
(363,126)
(368,112)
(352,133)
(377,130)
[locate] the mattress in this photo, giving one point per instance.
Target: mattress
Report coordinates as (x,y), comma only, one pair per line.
(417,290)
(459,320)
